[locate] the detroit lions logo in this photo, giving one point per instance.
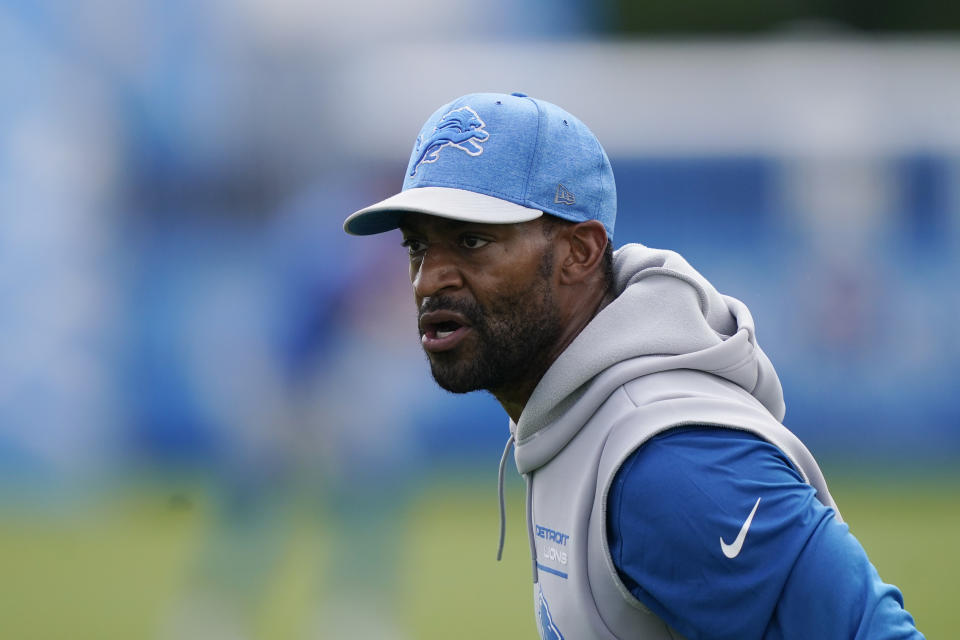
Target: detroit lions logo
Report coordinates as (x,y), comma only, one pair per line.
(548,628)
(461,128)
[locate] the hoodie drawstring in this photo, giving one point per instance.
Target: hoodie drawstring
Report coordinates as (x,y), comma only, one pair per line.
(503,510)
(533,544)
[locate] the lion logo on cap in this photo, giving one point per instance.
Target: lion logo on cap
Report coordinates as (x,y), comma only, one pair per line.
(461,128)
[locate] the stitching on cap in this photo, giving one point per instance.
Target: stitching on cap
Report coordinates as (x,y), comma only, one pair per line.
(533,156)
(599,177)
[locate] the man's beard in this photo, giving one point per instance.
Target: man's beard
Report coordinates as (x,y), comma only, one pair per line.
(513,337)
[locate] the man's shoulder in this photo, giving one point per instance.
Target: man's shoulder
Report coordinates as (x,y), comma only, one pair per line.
(708,506)
(697,455)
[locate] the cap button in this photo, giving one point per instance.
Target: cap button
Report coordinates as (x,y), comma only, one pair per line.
(519,94)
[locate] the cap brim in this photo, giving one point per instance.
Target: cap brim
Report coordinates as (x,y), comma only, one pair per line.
(444,202)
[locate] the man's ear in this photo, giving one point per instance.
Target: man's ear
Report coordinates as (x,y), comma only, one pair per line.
(587,242)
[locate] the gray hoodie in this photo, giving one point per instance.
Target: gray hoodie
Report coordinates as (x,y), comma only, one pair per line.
(668,351)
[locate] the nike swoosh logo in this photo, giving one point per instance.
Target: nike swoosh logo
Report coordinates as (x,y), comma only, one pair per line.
(733,550)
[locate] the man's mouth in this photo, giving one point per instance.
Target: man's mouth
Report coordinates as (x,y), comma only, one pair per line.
(442,330)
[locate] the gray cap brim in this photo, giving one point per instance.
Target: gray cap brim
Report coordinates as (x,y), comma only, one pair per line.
(444,202)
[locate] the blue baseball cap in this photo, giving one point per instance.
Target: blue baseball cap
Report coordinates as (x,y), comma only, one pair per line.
(497,158)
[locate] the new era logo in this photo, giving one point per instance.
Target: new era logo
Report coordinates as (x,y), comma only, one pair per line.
(564,195)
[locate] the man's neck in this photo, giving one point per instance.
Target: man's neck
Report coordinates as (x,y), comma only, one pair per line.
(514,397)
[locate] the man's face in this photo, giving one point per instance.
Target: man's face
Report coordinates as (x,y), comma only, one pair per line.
(484,292)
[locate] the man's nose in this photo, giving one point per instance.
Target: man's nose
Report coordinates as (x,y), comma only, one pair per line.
(436,272)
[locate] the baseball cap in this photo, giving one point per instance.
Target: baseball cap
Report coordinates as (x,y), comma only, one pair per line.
(498,158)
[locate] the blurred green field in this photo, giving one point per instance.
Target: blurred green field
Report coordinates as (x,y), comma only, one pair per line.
(146,566)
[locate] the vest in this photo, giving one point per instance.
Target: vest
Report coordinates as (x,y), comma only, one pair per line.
(578,594)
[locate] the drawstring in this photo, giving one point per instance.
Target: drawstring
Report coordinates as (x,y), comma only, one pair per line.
(503,510)
(533,544)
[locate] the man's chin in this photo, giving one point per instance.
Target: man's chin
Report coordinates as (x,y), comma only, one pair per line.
(454,387)
(456,375)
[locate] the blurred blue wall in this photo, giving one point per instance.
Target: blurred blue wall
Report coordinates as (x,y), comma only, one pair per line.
(178,294)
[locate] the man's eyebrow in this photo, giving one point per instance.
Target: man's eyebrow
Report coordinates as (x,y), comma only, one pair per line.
(408,223)
(450,226)
(422,227)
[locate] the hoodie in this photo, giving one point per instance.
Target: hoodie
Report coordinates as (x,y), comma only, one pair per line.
(668,351)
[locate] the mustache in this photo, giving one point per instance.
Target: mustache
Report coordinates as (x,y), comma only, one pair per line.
(467,308)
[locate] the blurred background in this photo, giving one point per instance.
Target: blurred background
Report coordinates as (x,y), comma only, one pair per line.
(215,418)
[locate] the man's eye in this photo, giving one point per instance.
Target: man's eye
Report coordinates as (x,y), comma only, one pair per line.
(413,246)
(473,242)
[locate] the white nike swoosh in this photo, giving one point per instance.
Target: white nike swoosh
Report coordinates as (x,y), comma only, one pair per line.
(733,550)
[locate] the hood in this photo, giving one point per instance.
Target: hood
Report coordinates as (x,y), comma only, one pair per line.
(665,316)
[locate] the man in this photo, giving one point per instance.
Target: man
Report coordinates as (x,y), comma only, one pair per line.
(664,497)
